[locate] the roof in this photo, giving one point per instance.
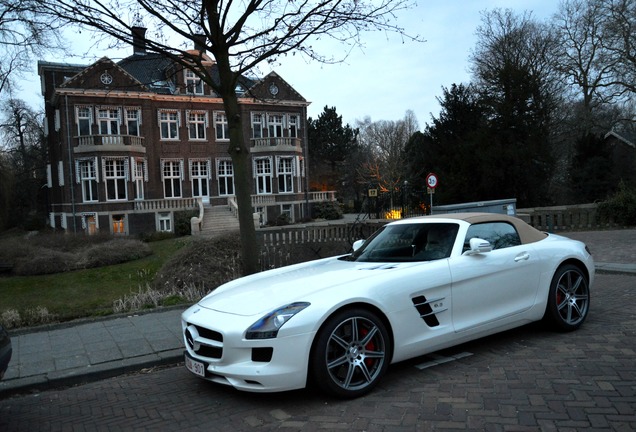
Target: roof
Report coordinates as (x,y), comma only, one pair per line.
(150,70)
(527,233)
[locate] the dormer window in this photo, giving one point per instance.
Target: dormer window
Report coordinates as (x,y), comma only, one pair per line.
(193,83)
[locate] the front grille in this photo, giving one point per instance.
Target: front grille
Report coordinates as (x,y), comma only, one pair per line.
(203,341)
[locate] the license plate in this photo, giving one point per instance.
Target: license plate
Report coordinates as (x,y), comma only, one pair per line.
(196,367)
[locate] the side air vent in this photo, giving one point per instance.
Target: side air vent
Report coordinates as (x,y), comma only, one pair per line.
(425,310)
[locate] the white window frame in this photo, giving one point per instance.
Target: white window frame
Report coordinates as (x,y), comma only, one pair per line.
(169,123)
(90,229)
(257,124)
(172,178)
(221,126)
(225,177)
(122,224)
(199,177)
(115,174)
(88,178)
(139,174)
(84,120)
(133,117)
(287,209)
(275,125)
(108,119)
(285,172)
(164,222)
(263,174)
(197,123)
(293,123)
(194,84)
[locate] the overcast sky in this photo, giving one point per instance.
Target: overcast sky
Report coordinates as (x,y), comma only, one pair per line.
(387,77)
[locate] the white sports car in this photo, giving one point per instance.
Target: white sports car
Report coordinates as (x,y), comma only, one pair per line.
(416,286)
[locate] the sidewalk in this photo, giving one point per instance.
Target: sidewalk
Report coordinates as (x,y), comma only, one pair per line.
(81,351)
(73,353)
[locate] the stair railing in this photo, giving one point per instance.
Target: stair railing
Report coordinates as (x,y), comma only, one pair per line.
(196,222)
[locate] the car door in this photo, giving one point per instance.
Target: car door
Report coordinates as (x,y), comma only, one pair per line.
(492,288)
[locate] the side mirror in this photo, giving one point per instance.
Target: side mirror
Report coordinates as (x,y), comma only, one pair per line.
(357,244)
(478,246)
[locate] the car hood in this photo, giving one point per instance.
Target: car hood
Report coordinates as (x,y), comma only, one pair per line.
(266,291)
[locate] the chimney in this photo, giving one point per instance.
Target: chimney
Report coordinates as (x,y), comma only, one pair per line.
(139,40)
(199,42)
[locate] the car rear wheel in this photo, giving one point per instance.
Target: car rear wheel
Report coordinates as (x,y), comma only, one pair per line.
(569,298)
(351,353)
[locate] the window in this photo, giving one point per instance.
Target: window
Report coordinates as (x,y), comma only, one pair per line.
(164,222)
(287,211)
(263,173)
(193,83)
(90,223)
(169,125)
(133,121)
(222,129)
(275,123)
(293,126)
(285,175)
(499,234)
(119,225)
(171,176)
(84,120)
(197,122)
(88,179)
(139,176)
(115,179)
(108,121)
(199,173)
(257,125)
(225,175)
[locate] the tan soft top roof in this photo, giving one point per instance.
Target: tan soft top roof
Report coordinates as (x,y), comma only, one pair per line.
(527,233)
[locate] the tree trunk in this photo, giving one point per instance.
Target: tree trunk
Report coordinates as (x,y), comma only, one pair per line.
(242,181)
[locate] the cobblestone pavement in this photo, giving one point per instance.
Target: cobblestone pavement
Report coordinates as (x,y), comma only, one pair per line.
(612,246)
(528,379)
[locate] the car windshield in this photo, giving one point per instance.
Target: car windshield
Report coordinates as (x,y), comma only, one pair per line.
(407,243)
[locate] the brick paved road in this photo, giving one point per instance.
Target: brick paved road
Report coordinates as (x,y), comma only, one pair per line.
(523,380)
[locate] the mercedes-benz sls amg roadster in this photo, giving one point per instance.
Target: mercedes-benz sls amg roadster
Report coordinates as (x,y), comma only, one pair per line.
(415,286)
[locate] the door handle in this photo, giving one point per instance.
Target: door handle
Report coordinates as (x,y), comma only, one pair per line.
(523,256)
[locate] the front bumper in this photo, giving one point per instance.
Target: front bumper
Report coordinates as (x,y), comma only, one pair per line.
(266,365)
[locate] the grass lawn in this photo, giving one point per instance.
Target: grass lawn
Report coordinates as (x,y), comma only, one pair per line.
(87,292)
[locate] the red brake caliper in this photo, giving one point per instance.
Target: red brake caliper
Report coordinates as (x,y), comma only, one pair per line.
(369,346)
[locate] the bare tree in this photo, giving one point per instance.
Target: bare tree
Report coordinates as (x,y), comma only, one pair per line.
(593,55)
(384,143)
(23,35)
(619,22)
(241,35)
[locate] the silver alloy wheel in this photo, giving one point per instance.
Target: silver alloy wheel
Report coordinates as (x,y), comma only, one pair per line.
(572,297)
(355,353)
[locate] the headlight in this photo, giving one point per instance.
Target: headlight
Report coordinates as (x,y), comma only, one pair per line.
(268,326)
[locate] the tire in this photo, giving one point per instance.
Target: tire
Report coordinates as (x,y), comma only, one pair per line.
(569,299)
(351,353)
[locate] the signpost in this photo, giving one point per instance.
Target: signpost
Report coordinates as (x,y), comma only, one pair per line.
(431,182)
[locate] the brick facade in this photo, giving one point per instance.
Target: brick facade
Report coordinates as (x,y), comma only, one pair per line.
(133,142)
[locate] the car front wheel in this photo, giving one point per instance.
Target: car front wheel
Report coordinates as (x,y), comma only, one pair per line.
(569,298)
(351,353)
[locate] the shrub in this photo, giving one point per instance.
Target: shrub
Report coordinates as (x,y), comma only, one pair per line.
(30,255)
(40,261)
(203,263)
(620,207)
(182,225)
(329,210)
(112,252)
